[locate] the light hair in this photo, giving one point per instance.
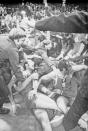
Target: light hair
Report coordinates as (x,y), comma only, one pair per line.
(16,33)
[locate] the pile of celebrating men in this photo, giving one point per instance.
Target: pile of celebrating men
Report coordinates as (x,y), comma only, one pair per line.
(46,68)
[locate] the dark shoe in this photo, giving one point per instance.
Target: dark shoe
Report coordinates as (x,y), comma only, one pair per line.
(4,110)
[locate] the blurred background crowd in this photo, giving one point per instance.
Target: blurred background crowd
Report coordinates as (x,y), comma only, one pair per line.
(9,14)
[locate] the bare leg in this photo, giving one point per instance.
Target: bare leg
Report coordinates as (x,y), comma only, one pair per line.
(62,104)
(42,117)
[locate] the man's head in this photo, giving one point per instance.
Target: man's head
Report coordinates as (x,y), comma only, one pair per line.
(18,35)
(41,38)
(64,67)
(47,44)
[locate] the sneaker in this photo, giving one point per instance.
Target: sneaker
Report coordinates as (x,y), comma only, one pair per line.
(4,110)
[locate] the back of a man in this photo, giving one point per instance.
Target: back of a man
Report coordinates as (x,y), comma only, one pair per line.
(5,72)
(9,61)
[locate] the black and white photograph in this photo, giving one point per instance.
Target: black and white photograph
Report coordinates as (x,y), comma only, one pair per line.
(43,65)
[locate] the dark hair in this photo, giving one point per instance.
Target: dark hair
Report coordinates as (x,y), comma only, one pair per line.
(63,65)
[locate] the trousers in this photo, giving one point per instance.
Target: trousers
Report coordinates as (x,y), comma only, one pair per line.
(5,76)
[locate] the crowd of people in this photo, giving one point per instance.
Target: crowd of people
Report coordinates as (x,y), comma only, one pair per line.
(9,15)
(48,65)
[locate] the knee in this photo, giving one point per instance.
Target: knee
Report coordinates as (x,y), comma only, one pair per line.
(62,100)
(45,120)
(42,115)
(62,103)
